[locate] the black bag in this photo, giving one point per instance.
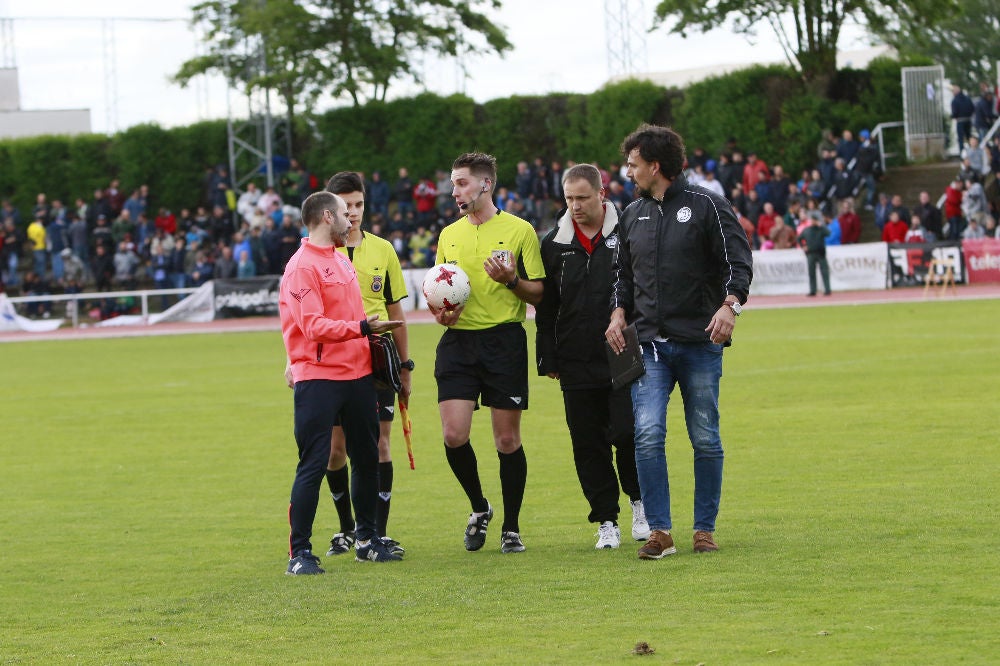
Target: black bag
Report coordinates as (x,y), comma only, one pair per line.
(628,366)
(385,363)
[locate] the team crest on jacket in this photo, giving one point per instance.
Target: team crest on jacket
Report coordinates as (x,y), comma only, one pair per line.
(611,241)
(684,214)
(376,283)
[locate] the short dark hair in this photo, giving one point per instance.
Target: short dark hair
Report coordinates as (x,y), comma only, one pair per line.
(344,182)
(657,144)
(479,164)
(315,204)
(585,172)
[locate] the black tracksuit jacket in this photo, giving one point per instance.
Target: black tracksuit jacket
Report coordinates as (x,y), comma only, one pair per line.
(573,315)
(677,260)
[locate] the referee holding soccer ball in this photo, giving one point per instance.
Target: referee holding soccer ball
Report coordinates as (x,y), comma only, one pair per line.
(484,352)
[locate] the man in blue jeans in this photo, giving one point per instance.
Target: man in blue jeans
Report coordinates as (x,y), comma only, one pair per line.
(682,271)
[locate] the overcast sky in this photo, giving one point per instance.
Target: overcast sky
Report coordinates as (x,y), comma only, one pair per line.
(63,52)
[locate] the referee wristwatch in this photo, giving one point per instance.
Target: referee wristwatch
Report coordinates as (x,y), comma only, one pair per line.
(735,307)
(407,365)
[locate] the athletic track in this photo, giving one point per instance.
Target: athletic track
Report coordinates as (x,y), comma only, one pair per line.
(899,295)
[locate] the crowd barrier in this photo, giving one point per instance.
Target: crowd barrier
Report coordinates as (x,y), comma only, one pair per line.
(863,266)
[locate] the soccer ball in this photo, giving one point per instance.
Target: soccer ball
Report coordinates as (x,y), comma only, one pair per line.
(446,286)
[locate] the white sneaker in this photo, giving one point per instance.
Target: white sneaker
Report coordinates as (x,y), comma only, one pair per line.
(640,528)
(608,536)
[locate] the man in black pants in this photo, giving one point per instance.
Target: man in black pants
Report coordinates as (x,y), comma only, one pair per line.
(571,320)
(325,331)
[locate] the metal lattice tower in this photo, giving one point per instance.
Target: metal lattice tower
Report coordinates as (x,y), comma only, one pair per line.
(625,26)
(109,51)
(110,74)
(258,132)
(7,37)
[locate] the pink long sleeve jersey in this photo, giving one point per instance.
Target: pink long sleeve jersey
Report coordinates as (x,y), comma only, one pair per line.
(321,313)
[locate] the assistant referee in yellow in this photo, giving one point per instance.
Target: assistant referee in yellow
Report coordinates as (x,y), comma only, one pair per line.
(484,353)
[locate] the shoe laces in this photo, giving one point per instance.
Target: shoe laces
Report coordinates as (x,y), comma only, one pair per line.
(656,540)
(606,530)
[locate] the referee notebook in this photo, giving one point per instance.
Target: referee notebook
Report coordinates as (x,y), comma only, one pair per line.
(627,366)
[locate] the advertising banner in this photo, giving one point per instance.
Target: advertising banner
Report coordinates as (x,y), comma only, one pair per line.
(911,261)
(852,267)
(11,321)
(982,259)
(247,297)
(195,307)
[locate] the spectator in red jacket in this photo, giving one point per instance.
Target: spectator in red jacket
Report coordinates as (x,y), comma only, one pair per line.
(895,229)
(850,223)
(766,221)
(953,208)
(752,171)
(167,221)
(425,198)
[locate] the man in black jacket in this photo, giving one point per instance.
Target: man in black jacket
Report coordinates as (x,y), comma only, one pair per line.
(570,321)
(682,272)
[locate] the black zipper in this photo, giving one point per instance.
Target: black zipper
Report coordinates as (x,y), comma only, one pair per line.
(319,352)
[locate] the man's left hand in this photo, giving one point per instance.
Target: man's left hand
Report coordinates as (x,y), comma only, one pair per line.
(720,329)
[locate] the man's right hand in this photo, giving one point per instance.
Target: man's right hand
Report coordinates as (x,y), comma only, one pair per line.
(614,335)
(446,317)
(379,327)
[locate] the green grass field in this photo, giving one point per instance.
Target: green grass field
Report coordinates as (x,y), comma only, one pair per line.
(145,487)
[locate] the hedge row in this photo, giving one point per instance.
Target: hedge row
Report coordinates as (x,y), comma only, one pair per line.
(768,109)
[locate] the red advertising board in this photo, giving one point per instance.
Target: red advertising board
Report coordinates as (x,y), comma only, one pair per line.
(982,259)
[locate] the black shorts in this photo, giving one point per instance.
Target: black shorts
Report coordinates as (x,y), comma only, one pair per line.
(386,406)
(492,363)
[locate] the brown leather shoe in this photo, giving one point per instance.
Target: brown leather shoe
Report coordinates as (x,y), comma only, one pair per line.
(703,542)
(658,544)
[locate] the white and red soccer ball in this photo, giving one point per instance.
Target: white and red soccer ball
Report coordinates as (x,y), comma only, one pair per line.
(446,286)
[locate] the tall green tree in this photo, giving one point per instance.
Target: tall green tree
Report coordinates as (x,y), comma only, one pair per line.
(807,30)
(274,45)
(965,42)
(378,42)
(343,48)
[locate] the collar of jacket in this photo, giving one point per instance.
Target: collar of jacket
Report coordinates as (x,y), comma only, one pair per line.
(565,233)
(677,185)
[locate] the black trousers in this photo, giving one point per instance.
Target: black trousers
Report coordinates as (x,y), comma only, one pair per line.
(318,403)
(600,420)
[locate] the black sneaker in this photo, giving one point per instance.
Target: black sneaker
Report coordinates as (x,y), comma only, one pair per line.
(510,542)
(304,564)
(475,532)
(374,551)
(393,546)
(341,543)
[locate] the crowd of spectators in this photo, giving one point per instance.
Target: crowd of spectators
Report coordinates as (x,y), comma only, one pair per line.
(119,239)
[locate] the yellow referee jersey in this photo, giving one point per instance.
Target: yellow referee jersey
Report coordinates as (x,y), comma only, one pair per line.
(468,246)
(379,274)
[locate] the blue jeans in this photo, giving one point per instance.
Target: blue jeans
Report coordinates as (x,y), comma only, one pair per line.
(697,368)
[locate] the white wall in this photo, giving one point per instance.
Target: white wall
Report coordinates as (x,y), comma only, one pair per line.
(32,123)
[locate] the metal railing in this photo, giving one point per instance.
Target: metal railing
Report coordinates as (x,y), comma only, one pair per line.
(73,305)
(879,133)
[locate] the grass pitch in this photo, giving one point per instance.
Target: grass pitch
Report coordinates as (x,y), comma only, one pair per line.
(145,486)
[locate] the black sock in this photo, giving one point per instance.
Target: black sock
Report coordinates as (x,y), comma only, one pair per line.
(513,477)
(340,488)
(463,464)
(384,495)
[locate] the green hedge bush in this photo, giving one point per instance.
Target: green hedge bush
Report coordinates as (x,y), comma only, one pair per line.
(765,108)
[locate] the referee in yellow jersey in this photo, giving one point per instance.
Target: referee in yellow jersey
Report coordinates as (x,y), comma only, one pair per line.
(484,353)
